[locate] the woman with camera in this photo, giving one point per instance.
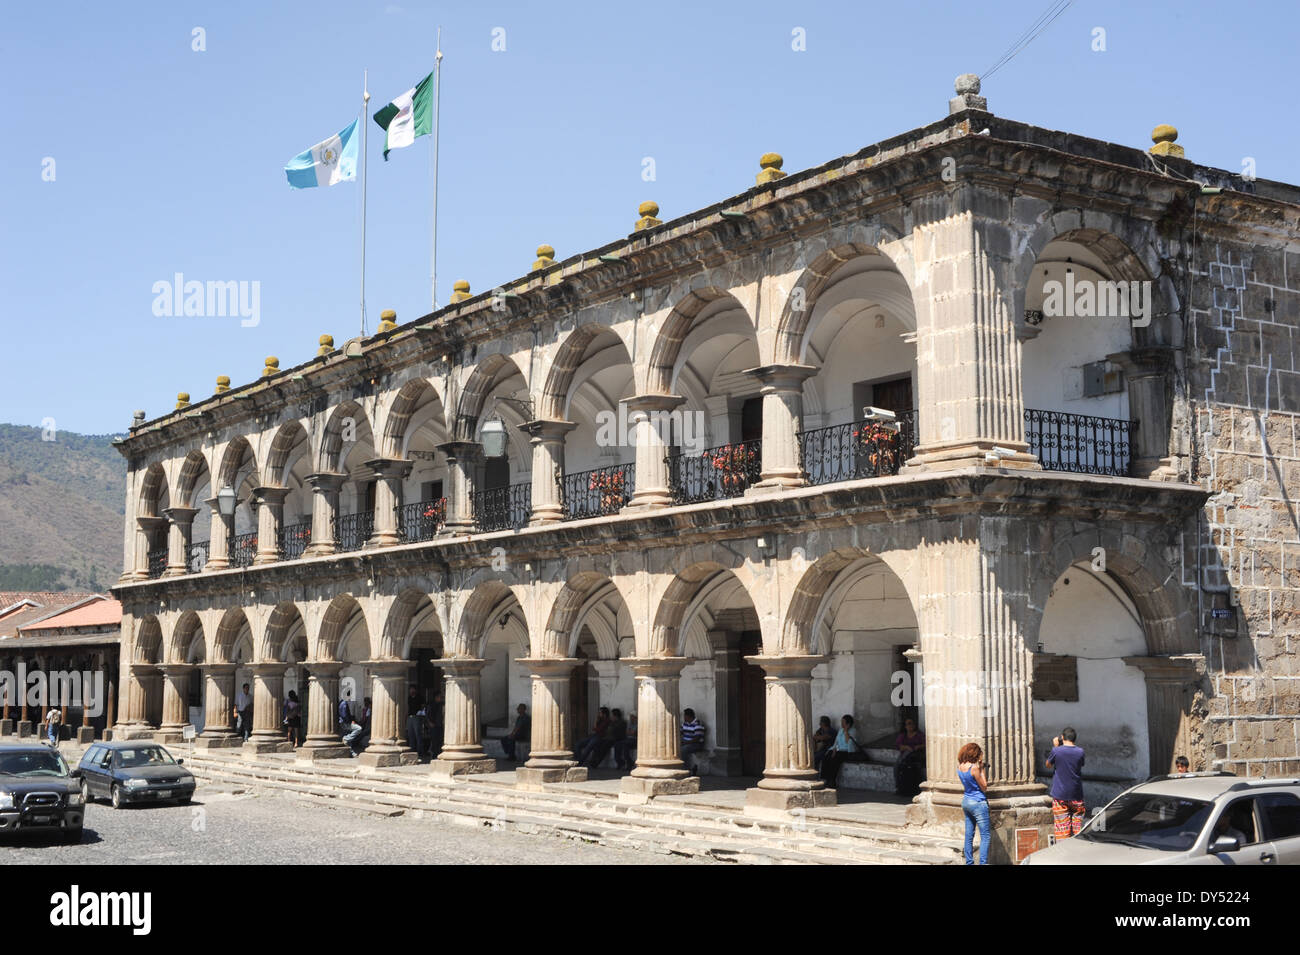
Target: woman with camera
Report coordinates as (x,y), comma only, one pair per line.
(974,801)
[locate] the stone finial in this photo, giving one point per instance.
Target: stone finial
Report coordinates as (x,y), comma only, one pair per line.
(648,212)
(182,400)
(460,291)
(387,320)
(1163,137)
(137,419)
(968,88)
(272,366)
(770,164)
(223,383)
(545,257)
(326,346)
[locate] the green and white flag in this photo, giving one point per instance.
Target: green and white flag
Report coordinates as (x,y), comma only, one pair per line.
(408,116)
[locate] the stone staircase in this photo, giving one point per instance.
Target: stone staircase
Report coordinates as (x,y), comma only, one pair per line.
(691,830)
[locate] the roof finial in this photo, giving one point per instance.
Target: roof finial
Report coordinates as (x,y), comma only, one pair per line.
(968,87)
(1163,136)
(771,168)
(648,212)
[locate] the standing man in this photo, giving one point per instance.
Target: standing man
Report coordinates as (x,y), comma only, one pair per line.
(244,712)
(1066,762)
(416,737)
(692,738)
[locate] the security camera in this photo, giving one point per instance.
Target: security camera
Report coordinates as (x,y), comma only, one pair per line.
(1003,452)
(880,414)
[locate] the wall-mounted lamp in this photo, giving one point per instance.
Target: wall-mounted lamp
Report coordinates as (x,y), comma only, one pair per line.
(226,501)
(504,621)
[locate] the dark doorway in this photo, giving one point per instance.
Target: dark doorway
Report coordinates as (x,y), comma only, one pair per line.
(753,707)
(428,689)
(496,473)
(578,699)
(751,419)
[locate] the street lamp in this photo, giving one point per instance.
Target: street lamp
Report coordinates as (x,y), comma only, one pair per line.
(226,501)
(494,437)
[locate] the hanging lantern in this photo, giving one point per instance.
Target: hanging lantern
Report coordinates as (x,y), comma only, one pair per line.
(493,437)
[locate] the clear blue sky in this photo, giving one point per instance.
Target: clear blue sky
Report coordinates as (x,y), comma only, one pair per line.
(169,160)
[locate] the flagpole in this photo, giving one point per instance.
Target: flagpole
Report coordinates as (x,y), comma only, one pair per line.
(365,131)
(437,99)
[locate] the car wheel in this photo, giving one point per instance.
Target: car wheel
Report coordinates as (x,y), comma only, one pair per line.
(86,797)
(117,796)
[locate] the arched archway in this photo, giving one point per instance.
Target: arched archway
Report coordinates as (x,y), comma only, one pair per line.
(347,444)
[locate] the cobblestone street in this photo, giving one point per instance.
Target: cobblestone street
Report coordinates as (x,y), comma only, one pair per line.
(224,827)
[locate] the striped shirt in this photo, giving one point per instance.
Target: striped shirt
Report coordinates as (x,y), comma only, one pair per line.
(693,732)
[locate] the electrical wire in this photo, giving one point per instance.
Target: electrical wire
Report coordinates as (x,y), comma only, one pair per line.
(1045,19)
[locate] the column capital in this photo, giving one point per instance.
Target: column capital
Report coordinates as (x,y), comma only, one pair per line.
(269,494)
(267,667)
(150,522)
(782,377)
(180,515)
(547,429)
(220,669)
(144,669)
(458,667)
(326,480)
(788,667)
(1181,668)
(323,668)
(460,449)
(653,402)
(387,668)
(390,467)
(1153,360)
(657,666)
(549,666)
(174,669)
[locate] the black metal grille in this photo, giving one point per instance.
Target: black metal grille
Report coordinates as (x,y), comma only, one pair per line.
(1080,443)
(502,508)
(720,472)
(242,549)
(41,800)
(422,520)
(198,557)
(598,491)
(351,531)
(861,449)
(294,540)
(157,561)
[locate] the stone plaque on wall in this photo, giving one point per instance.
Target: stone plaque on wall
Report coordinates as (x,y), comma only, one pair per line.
(1056,678)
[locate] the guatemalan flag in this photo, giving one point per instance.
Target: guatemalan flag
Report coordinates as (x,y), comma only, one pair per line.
(326,163)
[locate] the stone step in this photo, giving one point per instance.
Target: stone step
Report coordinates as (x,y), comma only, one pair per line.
(388,791)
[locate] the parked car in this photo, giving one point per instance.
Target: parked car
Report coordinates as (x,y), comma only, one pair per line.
(37,793)
(1189,819)
(126,771)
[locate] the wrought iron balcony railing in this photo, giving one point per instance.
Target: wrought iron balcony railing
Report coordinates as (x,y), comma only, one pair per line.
(720,472)
(198,558)
(156,561)
(422,520)
(294,540)
(1080,443)
(860,449)
(351,531)
(242,549)
(502,508)
(597,492)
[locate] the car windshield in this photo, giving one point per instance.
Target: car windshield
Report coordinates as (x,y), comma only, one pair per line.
(1149,821)
(34,763)
(144,756)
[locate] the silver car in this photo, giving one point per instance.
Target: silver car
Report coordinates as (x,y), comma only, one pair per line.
(1189,819)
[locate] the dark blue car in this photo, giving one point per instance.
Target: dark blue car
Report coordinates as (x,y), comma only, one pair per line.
(126,771)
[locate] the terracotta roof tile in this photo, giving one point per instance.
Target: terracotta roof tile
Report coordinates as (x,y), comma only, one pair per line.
(97,613)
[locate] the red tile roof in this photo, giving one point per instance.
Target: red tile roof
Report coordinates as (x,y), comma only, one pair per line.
(104,612)
(47,605)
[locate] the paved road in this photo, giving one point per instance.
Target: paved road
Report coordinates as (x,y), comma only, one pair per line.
(224,827)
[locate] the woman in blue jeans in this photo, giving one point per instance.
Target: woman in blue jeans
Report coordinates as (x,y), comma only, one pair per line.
(974,801)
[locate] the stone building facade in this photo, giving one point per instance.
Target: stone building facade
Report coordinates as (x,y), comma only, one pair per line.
(838,443)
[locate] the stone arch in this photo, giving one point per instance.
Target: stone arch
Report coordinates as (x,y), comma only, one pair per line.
(666,350)
(233,625)
(801,630)
(337,429)
(187,627)
(287,437)
(565,363)
(334,626)
(678,603)
(397,637)
(487,374)
(153,491)
(188,481)
(413,395)
(1139,569)
(148,646)
(237,453)
(793,325)
(488,601)
(571,609)
(285,618)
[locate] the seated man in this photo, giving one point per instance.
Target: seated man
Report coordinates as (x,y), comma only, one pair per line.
(522,733)
(910,768)
(586,745)
(615,732)
(692,738)
(822,740)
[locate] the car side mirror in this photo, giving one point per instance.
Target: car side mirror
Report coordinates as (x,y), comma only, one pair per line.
(76,773)
(1224,844)
(180,762)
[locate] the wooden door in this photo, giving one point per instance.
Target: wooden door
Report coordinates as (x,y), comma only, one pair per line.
(753,707)
(895,396)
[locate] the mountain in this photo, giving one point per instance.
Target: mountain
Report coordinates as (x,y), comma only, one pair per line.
(61,510)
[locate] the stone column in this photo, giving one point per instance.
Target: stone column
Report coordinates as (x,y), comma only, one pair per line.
(1147,372)
(270,519)
(462,457)
(550,760)
(322,742)
(390,473)
(8,696)
(268,734)
(782,389)
(324,511)
(1172,684)
(175,683)
(547,439)
(146,530)
(388,692)
(179,535)
(659,768)
(978,677)
(789,779)
(726,717)
(969,392)
(218,700)
(462,748)
(219,544)
(135,709)
(649,420)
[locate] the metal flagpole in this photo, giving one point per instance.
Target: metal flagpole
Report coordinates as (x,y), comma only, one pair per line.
(365,130)
(433,264)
